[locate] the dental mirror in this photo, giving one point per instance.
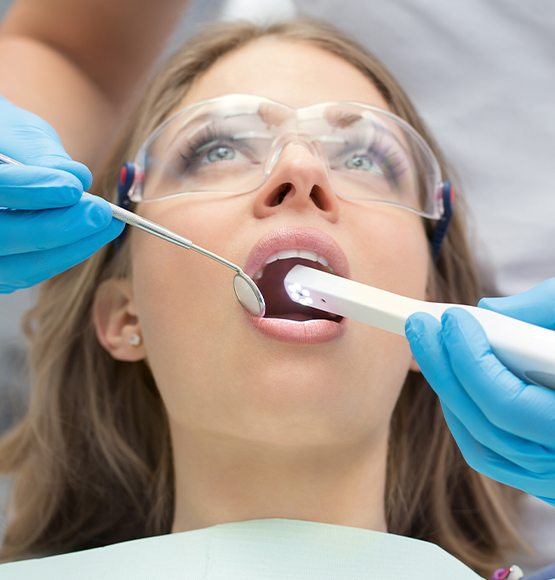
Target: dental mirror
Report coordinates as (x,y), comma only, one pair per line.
(248,294)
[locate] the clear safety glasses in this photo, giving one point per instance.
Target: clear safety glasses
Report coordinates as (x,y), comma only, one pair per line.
(231,145)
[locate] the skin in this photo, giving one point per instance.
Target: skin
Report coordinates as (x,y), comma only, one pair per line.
(262,428)
(103,51)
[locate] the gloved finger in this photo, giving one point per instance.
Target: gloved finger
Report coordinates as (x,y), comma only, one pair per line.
(423,332)
(29,231)
(536,306)
(512,405)
(494,466)
(425,336)
(32,188)
(64,163)
(29,139)
(25,270)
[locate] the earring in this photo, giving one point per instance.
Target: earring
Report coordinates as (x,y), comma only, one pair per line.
(135,339)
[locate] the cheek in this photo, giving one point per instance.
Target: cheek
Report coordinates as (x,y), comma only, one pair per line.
(390,251)
(183,299)
(175,282)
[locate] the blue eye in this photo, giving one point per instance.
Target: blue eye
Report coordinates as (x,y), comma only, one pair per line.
(220,153)
(362,162)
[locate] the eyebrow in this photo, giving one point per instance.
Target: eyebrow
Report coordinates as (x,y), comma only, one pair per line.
(268,113)
(341,118)
(198,120)
(272,115)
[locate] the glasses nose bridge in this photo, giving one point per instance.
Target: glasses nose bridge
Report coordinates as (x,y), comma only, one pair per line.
(294,138)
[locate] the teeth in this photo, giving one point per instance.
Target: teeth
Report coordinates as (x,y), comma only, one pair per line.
(308,255)
(324,262)
(285,254)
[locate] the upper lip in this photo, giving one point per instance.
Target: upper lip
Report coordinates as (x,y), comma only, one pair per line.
(287,238)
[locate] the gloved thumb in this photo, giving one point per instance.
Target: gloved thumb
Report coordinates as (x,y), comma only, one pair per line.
(536,306)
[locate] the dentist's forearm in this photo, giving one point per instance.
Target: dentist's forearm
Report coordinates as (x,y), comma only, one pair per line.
(79,63)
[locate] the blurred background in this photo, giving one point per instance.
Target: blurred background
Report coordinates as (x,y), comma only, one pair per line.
(481,73)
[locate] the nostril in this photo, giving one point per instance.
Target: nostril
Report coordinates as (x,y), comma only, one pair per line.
(281,192)
(318,196)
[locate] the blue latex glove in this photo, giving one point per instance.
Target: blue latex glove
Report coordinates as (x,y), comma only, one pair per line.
(47,224)
(504,427)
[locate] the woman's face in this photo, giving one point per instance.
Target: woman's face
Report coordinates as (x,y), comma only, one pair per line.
(214,370)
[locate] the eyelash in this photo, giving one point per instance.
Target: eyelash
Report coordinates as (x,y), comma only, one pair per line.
(387,159)
(207,136)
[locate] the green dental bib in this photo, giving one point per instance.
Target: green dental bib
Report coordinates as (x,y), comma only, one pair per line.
(261,549)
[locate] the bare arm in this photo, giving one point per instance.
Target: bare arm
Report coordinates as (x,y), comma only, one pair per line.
(78,63)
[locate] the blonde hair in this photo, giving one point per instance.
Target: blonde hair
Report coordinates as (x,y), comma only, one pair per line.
(92,459)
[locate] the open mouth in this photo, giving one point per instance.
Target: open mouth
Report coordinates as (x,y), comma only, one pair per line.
(270,260)
(270,282)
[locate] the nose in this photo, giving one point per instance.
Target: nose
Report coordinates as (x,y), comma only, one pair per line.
(298,182)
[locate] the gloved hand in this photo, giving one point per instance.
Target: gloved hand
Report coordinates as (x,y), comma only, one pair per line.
(504,427)
(47,224)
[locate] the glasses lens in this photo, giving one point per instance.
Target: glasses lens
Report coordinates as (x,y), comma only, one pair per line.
(208,153)
(373,158)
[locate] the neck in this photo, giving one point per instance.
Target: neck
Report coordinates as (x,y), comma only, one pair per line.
(219,479)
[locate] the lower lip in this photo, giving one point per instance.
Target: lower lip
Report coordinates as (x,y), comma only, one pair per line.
(295,331)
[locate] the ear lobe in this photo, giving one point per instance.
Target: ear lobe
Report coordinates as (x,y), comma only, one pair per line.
(116,321)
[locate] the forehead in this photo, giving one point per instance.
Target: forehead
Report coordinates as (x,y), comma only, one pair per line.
(291,72)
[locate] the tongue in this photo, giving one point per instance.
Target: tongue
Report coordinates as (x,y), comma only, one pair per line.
(278,303)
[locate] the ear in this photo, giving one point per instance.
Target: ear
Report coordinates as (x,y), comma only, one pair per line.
(116,320)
